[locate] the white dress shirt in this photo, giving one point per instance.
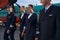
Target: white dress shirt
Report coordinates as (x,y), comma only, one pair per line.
(30,15)
(46,8)
(22,15)
(21,18)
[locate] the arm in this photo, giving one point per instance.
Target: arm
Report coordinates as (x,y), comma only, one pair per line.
(24,27)
(23,32)
(38,27)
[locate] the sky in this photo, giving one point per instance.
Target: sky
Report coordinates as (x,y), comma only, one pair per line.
(34,2)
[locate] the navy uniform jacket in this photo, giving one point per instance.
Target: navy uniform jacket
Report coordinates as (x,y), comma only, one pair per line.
(31,26)
(22,22)
(49,23)
(11,21)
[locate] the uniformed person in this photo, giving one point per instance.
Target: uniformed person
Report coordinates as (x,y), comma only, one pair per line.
(49,22)
(22,19)
(30,23)
(10,25)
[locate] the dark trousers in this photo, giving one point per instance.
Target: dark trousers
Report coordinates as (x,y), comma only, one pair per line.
(11,34)
(21,38)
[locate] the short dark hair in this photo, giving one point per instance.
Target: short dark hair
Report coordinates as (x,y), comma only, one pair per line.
(23,6)
(9,6)
(31,6)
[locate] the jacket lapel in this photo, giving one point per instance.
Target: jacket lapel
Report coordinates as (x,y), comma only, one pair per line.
(44,14)
(31,16)
(49,10)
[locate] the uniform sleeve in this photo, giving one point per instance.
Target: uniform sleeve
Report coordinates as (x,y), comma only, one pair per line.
(7,23)
(37,27)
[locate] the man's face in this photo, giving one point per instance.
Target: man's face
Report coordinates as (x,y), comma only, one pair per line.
(29,9)
(10,9)
(22,9)
(44,2)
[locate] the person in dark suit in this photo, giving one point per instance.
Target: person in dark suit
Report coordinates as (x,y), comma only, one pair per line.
(10,25)
(49,21)
(30,24)
(22,19)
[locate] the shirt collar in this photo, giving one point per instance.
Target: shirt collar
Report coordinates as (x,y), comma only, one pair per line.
(22,13)
(48,7)
(9,12)
(32,13)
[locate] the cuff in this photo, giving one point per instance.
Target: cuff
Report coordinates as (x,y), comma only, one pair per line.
(11,26)
(24,27)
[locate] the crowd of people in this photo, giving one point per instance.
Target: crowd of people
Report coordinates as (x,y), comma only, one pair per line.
(46,26)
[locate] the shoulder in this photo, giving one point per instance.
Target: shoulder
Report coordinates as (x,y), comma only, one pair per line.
(56,7)
(34,14)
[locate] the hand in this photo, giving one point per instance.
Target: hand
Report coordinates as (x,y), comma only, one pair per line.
(36,38)
(22,34)
(8,31)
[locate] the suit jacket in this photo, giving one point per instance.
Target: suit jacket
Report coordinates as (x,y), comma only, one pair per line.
(49,23)
(31,25)
(11,20)
(22,22)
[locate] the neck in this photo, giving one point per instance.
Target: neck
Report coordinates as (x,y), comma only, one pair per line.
(32,11)
(47,5)
(23,12)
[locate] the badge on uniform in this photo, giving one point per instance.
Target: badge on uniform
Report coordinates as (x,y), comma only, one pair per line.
(50,14)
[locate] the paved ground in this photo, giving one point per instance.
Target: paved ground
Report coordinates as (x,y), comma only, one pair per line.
(2,32)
